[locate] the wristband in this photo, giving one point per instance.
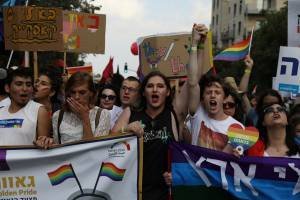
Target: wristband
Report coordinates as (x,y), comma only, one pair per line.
(193,48)
(247,71)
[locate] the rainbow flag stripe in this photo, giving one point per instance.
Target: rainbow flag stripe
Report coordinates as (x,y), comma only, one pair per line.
(61,174)
(111,171)
(236,52)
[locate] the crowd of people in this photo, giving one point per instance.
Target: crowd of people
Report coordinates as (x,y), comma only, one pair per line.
(200,113)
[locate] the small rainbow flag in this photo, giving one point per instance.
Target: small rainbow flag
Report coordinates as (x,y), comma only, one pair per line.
(61,174)
(111,171)
(236,52)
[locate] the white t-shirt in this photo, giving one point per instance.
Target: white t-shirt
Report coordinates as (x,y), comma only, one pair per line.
(208,132)
(115,113)
(5,102)
(71,128)
(19,128)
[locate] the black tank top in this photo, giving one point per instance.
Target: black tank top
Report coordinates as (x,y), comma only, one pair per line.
(157,134)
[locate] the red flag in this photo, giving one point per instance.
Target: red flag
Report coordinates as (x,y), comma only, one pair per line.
(108,71)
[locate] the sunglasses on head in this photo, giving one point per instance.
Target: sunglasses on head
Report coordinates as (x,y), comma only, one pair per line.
(110,97)
(271,109)
(229,105)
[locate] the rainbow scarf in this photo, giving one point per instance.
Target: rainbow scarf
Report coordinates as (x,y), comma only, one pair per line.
(236,52)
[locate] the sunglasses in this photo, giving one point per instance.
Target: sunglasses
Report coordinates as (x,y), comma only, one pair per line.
(109,97)
(229,105)
(274,109)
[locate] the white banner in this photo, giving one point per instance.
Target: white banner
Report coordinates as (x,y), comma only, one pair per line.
(107,169)
(288,77)
(294,23)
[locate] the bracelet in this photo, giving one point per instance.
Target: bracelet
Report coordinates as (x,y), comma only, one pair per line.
(247,71)
(194,48)
(123,130)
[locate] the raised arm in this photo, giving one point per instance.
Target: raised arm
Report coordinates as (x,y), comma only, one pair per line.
(195,68)
(244,83)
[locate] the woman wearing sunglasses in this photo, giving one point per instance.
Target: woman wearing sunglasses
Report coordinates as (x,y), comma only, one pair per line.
(232,105)
(108,99)
(276,138)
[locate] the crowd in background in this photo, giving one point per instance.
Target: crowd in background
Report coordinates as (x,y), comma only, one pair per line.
(53,110)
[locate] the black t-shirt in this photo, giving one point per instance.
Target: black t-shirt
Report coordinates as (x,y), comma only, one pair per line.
(157,134)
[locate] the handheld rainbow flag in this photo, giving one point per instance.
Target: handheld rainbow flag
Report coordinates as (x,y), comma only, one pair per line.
(111,171)
(236,52)
(61,174)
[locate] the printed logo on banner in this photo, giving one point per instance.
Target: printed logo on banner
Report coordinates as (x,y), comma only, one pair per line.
(64,172)
(11,123)
(118,149)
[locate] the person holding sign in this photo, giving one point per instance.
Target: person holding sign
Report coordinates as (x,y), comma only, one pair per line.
(80,119)
(276,138)
(209,123)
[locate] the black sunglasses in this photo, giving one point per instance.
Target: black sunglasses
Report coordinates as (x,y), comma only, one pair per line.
(271,109)
(110,97)
(229,105)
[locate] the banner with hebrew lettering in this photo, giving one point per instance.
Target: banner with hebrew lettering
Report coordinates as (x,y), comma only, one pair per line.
(288,74)
(33,28)
(83,32)
(198,170)
(100,169)
(52,29)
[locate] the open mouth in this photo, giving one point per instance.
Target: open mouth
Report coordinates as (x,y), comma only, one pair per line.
(154,98)
(212,103)
(276,116)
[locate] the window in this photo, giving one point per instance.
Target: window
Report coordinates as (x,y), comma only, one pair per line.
(234,10)
(213,21)
(217,20)
(213,4)
(217,3)
(233,31)
(240,28)
(229,10)
(241,6)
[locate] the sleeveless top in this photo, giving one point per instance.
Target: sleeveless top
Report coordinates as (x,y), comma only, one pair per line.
(157,134)
(19,128)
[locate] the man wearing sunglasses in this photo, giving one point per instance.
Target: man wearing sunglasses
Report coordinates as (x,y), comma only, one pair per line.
(23,121)
(209,123)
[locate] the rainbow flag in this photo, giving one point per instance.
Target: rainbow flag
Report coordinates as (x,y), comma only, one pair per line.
(111,171)
(61,174)
(236,52)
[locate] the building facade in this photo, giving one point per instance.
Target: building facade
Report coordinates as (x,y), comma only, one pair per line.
(232,20)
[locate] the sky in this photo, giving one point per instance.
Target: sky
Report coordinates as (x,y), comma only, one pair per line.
(127,20)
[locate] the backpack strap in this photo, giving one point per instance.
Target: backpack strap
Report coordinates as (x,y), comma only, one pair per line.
(60,117)
(98,114)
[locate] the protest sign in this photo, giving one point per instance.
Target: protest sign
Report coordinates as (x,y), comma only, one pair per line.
(83,32)
(100,169)
(294,23)
(244,178)
(33,28)
(52,29)
(288,78)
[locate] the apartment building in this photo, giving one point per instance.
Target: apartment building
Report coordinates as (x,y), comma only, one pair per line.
(232,20)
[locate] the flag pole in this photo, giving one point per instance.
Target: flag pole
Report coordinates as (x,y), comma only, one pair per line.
(251,37)
(79,185)
(98,177)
